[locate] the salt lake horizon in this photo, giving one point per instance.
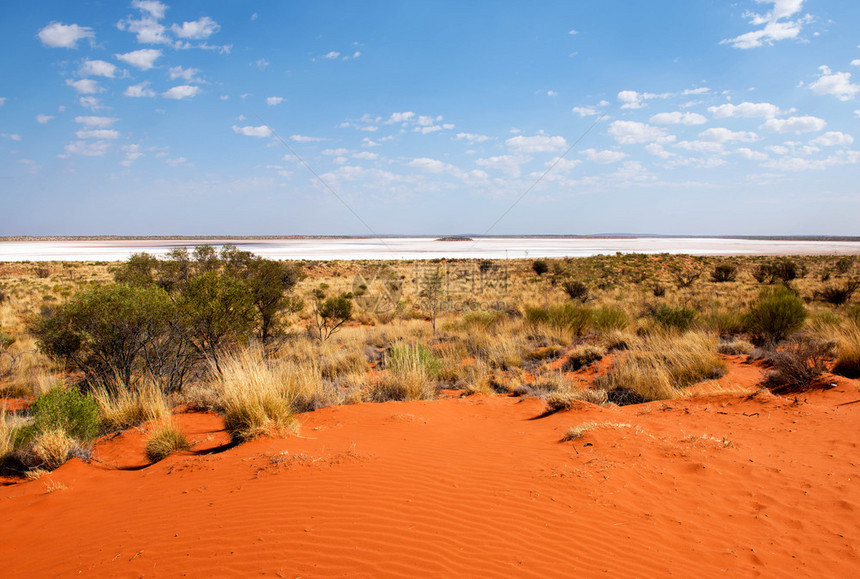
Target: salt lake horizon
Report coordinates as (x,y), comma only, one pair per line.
(421,247)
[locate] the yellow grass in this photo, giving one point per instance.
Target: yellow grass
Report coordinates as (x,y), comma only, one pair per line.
(123,405)
(164,440)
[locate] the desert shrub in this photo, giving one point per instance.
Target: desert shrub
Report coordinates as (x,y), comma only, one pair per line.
(482,319)
(137,270)
(838,295)
(540,266)
(405,357)
(607,319)
(548,353)
(412,374)
(565,317)
(726,322)
(798,367)
(777,313)
(51,448)
(853,314)
(786,270)
(735,347)
(686,277)
(724,272)
(67,410)
(576,290)
(848,344)
(844,264)
(164,440)
(564,399)
(582,356)
(330,314)
(763,273)
(671,317)
(658,290)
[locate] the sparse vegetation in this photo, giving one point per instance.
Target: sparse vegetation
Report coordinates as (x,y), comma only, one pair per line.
(166,439)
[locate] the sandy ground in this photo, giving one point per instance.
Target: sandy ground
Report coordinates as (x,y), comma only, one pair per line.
(714,485)
(424,248)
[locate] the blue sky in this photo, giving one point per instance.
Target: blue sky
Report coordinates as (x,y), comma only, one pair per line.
(574,117)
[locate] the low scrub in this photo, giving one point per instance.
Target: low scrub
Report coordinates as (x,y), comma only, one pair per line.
(776,314)
(582,356)
(664,365)
(412,372)
(165,440)
(123,406)
(848,343)
(736,348)
(669,317)
(798,367)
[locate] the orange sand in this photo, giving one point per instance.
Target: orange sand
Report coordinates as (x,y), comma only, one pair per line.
(711,486)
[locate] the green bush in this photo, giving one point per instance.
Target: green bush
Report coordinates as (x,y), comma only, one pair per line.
(69,410)
(776,314)
(669,317)
(607,318)
(724,272)
(540,266)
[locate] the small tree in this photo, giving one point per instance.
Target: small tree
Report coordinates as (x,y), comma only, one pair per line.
(724,272)
(432,290)
(540,266)
(331,314)
(269,282)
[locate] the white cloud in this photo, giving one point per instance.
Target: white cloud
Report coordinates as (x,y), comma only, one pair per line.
(837,84)
(196,29)
(510,165)
(43,119)
(722,135)
(143,59)
(585,111)
(12,136)
(91,103)
(745,110)
(338,152)
(147,30)
(603,157)
(331,55)
(657,150)
(178,161)
(306,139)
(98,68)
(183,91)
(676,118)
(365,155)
(139,90)
(97,134)
(805,124)
(58,35)
(87,148)
(536,144)
(748,153)
(132,154)
(261,63)
(273,101)
(832,139)
(427,164)
(186,74)
(636,100)
(776,25)
(805,164)
(262,131)
(573,32)
(632,132)
(700,90)
(2,101)
(154,8)
(96,121)
(472,137)
(85,86)
(700,146)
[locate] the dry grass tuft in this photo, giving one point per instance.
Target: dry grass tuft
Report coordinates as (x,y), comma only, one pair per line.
(736,347)
(164,440)
(848,343)
(663,365)
(578,431)
(582,356)
(124,406)
(53,447)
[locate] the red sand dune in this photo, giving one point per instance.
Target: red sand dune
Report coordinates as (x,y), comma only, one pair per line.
(478,486)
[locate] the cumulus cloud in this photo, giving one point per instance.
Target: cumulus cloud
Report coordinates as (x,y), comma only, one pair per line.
(96,121)
(427,164)
(775,25)
(748,153)
(98,68)
(536,144)
(745,110)
(58,35)
(632,132)
(805,124)
(132,154)
(603,157)
(87,148)
(678,118)
(510,165)
(43,119)
(723,135)
(97,134)
(585,111)
(832,139)
(147,28)
(472,137)
(331,55)
(365,155)
(262,131)
(186,74)
(143,59)
(837,84)
(636,100)
(140,90)
(84,86)
(306,139)
(183,91)
(153,8)
(196,29)
(273,101)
